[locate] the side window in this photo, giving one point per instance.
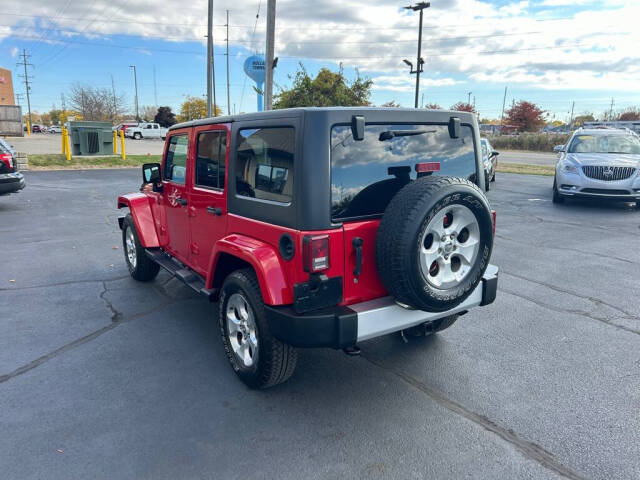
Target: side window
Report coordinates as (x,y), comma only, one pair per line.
(175,164)
(264,163)
(155,127)
(210,158)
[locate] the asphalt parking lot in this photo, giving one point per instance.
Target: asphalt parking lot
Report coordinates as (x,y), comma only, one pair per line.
(104,377)
(41,143)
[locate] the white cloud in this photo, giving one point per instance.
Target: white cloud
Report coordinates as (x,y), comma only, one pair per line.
(593,49)
(14,52)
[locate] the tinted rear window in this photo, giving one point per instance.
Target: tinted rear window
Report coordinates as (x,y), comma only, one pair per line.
(365,175)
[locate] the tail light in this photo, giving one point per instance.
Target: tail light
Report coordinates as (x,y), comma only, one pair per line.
(315,253)
(7,159)
(494,217)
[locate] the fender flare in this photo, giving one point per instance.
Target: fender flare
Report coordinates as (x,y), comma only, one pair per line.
(140,208)
(265,261)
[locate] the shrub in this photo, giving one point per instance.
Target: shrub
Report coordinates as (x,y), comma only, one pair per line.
(535,142)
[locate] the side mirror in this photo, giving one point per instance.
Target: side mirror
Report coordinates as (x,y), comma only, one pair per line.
(357,127)
(558,148)
(454,127)
(494,154)
(151,174)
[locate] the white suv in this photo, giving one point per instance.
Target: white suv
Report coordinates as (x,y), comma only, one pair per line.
(601,163)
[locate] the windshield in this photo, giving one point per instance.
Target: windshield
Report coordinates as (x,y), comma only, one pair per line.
(366,174)
(628,144)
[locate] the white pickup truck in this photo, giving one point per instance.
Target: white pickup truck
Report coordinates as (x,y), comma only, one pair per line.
(146,130)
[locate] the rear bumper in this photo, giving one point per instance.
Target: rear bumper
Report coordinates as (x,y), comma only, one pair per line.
(341,327)
(11,182)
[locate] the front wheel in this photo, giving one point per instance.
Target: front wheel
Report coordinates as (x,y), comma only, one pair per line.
(257,357)
(137,135)
(557,198)
(141,267)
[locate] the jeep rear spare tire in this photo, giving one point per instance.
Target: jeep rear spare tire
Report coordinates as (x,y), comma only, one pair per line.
(434,243)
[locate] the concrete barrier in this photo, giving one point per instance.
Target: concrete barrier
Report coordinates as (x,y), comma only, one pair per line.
(22,160)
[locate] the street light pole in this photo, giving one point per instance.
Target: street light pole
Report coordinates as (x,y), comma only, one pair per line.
(135,83)
(419,7)
(209,56)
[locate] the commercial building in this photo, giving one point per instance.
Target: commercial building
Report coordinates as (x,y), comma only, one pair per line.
(6,88)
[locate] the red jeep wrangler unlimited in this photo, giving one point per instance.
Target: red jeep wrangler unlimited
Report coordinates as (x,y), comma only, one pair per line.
(318,227)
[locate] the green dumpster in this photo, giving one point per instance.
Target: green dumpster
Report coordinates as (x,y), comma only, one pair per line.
(91,138)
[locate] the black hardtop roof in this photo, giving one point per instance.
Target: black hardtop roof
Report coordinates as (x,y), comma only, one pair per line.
(413,114)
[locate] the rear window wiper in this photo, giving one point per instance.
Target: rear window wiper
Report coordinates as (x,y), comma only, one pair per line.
(389,134)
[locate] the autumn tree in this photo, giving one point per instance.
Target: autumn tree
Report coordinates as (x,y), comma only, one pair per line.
(525,116)
(391,104)
(433,106)
(194,108)
(581,119)
(629,115)
(328,89)
(463,107)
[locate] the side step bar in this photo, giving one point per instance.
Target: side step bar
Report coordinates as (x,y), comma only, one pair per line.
(178,270)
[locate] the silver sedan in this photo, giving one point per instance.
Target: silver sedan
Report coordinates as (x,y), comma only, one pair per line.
(600,163)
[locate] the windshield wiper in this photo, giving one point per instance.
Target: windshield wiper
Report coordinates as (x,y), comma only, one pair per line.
(389,134)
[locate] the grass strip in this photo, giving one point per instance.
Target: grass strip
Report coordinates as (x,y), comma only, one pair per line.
(59,162)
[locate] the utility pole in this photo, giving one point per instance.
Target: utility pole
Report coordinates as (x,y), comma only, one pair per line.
(113,92)
(228,94)
(155,88)
(610,111)
(63,103)
(268,63)
(504,102)
(422,101)
(135,83)
(469,101)
(573,105)
(26,80)
(210,81)
(419,7)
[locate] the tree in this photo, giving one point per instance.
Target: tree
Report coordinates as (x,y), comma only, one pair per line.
(580,119)
(525,116)
(98,104)
(194,108)
(148,112)
(391,104)
(629,115)
(463,107)
(165,117)
(433,106)
(328,89)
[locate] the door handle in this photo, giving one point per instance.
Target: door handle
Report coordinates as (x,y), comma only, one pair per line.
(357,245)
(182,201)
(214,211)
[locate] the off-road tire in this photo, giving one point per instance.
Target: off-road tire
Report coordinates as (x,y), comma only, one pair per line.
(557,198)
(399,237)
(137,136)
(144,269)
(276,361)
(429,328)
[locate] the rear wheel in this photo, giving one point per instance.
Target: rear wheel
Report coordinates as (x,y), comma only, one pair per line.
(434,243)
(257,357)
(141,267)
(557,198)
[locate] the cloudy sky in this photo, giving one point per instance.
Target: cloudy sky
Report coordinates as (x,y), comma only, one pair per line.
(551,52)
